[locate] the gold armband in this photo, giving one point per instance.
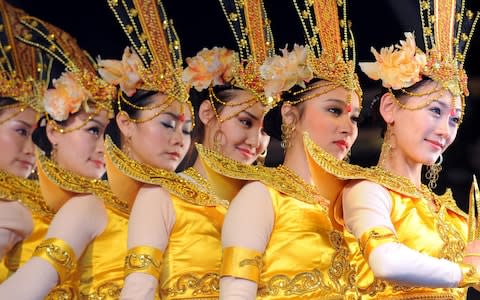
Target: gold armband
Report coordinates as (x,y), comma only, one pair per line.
(471,254)
(242,263)
(375,237)
(60,255)
(144,259)
(471,277)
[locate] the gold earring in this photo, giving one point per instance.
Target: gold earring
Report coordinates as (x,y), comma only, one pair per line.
(287,133)
(127,148)
(53,152)
(217,141)
(433,172)
(385,152)
(261,158)
(347,157)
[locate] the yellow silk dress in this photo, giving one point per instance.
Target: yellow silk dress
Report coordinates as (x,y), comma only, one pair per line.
(27,192)
(440,233)
(99,273)
(305,258)
(191,261)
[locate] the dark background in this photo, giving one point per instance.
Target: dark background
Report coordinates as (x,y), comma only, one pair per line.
(377,23)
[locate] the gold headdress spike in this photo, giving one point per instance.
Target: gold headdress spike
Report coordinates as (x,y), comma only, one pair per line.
(447,31)
(24,71)
(251,29)
(473,211)
(331,43)
(156,63)
(79,84)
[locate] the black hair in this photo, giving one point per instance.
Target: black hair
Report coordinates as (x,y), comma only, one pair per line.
(273,119)
(4,101)
(222,92)
(141,98)
(39,135)
(376,118)
(40,138)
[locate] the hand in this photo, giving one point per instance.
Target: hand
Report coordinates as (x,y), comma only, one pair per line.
(472,254)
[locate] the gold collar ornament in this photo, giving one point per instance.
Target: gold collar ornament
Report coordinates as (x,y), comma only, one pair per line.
(127,176)
(59,185)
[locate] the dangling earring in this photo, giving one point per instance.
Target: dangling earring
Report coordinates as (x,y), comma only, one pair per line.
(127,148)
(287,133)
(217,141)
(261,158)
(433,172)
(53,153)
(347,157)
(385,152)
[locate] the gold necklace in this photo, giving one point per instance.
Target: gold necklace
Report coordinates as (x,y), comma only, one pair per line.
(300,188)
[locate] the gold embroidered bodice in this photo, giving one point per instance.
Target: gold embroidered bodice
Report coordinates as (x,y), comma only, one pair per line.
(27,192)
(305,256)
(191,261)
(440,232)
(99,273)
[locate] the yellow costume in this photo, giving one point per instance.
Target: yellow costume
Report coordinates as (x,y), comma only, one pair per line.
(439,233)
(24,71)
(191,262)
(99,271)
(28,193)
(320,270)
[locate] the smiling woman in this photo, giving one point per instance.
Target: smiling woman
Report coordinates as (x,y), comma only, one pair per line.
(407,242)
(87,216)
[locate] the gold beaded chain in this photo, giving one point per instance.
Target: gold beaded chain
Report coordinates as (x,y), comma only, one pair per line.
(246,104)
(21,108)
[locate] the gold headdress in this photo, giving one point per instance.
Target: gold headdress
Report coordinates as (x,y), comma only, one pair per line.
(257,68)
(79,84)
(156,63)
(331,44)
(447,30)
(24,71)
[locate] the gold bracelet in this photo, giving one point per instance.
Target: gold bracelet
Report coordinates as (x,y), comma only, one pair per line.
(144,259)
(471,277)
(242,263)
(59,254)
(471,254)
(375,237)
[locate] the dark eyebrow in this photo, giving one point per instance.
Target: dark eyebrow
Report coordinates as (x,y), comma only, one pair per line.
(342,102)
(250,115)
(98,122)
(445,106)
(24,123)
(175,116)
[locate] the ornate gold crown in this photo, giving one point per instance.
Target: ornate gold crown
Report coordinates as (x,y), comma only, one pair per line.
(329,37)
(251,29)
(80,83)
(447,30)
(157,46)
(24,71)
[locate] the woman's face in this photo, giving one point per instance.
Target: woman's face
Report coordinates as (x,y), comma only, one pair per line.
(163,141)
(241,137)
(420,136)
(330,120)
(81,150)
(17,155)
